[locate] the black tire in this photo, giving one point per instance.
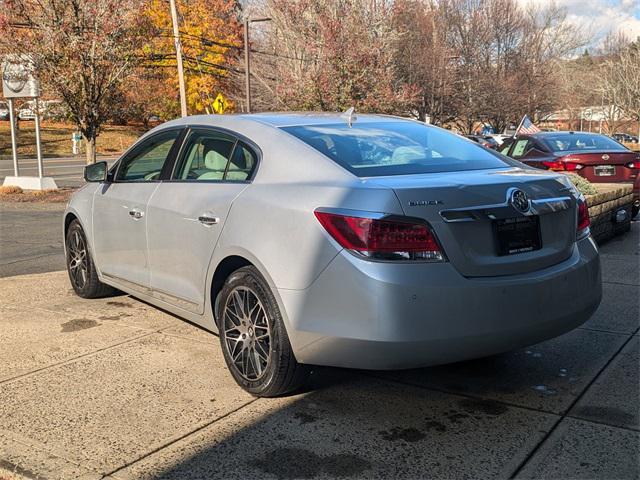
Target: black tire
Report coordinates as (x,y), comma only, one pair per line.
(80,267)
(253,337)
(634,211)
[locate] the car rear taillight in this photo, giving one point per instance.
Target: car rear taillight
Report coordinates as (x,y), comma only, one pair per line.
(635,165)
(582,228)
(562,165)
(388,238)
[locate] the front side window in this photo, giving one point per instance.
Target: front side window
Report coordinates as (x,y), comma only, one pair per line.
(145,163)
(396,148)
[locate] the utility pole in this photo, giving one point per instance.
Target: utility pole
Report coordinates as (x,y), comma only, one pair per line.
(247,66)
(176,39)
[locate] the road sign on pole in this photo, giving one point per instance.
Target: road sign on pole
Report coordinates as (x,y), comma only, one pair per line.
(220,104)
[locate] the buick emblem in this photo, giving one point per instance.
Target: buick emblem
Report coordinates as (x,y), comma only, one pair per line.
(519,200)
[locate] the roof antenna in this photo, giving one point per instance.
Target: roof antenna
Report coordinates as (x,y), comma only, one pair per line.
(349,116)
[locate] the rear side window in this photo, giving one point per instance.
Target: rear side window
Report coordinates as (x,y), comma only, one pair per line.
(520,148)
(215,156)
(395,148)
(206,156)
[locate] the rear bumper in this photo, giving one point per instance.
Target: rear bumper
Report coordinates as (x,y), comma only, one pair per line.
(372,315)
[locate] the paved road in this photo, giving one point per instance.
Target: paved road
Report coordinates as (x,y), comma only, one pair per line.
(66,171)
(114,388)
(30,238)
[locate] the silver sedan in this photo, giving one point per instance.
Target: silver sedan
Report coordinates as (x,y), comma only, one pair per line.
(369,242)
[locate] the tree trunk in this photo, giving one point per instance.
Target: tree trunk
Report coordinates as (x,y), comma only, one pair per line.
(90,148)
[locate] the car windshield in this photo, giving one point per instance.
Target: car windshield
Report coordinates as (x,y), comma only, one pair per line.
(577,142)
(396,148)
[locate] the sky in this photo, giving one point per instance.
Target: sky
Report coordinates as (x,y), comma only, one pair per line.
(601,16)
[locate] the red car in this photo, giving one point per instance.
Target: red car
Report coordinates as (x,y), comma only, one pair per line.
(595,157)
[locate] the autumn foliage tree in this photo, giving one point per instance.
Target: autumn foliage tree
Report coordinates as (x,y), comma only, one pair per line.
(82,50)
(211,36)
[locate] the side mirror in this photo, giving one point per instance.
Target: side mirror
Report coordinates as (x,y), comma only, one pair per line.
(96,172)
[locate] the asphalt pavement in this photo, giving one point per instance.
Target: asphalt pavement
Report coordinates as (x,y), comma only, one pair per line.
(30,238)
(66,171)
(117,389)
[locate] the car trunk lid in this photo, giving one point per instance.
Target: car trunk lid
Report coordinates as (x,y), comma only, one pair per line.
(464,209)
(603,166)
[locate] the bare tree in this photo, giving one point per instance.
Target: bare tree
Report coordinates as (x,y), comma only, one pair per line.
(332,55)
(620,85)
(82,49)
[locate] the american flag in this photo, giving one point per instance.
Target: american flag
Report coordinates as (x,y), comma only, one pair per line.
(526,127)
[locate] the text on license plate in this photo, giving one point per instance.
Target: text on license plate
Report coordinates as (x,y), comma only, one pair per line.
(517,235)
(604,170)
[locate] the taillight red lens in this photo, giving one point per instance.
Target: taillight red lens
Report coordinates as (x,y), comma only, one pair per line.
(562,165)
(635,165)
(583,217)
(554,165)
(382,239)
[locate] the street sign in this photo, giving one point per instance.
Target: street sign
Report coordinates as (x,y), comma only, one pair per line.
(219,104)
(18,80)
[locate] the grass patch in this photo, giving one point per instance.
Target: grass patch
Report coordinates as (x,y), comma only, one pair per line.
(56,139)
(17,195)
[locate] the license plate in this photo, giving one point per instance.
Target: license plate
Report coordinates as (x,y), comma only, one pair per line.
(604,170)
(517,235)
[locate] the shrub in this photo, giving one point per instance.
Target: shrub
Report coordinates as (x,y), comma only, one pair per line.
(583,185)
(10,190)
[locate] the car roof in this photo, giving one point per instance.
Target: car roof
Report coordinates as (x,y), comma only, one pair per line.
(555,134)
(282,119)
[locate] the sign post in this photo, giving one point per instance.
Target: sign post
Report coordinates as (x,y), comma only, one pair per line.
(18,81)
(14,146)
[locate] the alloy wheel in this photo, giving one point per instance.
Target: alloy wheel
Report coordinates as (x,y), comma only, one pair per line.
(78,260)
(247,333)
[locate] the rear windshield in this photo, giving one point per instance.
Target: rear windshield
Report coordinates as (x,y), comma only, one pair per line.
(580,142)
(396,148)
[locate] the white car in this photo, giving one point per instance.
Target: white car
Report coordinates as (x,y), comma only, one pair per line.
(318,239)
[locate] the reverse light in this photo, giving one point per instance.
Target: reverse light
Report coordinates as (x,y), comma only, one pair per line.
(383,238)
(634,165)
(582,227)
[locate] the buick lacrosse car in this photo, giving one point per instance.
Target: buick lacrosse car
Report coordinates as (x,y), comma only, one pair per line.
(369,242)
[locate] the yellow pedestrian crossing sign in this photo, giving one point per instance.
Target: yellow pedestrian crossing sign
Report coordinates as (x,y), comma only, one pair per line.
(219,104)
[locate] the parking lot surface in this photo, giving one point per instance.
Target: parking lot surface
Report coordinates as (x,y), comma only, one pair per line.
(115,388)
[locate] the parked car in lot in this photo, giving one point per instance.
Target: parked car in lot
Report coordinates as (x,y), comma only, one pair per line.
(49,109)
(321,239)
(485,141)
(4,111)
(27,111)
(624,138)
(595,157)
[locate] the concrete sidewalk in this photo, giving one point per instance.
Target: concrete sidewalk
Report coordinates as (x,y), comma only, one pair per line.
(118,389)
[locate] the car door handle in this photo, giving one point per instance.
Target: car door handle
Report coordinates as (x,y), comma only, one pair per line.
(207,219)
(136,214)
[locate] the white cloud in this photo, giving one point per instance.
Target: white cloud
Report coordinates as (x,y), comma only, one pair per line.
(600,17)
